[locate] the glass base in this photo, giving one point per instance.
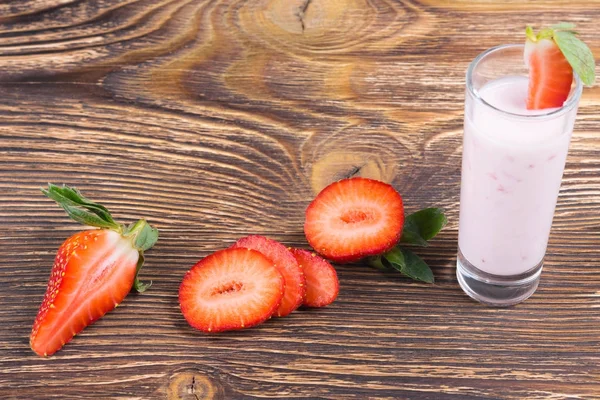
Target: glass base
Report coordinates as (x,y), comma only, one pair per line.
(496,290)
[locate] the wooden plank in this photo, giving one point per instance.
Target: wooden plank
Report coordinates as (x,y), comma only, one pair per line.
(217,119)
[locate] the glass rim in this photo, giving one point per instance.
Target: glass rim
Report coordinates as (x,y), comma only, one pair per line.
(571,101)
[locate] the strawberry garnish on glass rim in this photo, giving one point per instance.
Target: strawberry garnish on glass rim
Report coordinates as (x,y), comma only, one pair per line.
(553,55)
(92,273)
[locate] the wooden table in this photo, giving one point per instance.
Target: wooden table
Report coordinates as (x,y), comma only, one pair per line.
(217,119)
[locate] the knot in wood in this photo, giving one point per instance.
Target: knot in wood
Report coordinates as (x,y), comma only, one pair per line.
(191,385)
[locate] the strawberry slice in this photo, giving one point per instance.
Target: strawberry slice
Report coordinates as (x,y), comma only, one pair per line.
(322,285)
(93,271)
(354,218)
(230,289)
(295,282)
(553,55)
(550,75)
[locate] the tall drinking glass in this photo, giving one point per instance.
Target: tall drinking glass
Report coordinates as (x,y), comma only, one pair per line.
(512,167)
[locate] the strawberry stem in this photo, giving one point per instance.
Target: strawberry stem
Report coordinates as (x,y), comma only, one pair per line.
(138,286)
(80,209)
(530,34)
(142,235)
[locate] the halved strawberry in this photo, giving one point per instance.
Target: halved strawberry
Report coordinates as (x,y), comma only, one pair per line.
(230,289)
(552,56)
(322,285)
(354,218)
(93,271)
(295,282)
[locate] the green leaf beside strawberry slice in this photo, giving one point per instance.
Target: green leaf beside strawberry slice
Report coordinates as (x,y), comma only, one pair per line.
(358,218)
(423,225)
(419,227)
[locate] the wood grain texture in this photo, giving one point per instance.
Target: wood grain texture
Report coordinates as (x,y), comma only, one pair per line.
(217,119)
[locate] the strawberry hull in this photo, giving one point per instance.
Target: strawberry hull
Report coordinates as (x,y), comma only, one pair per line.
(92,273)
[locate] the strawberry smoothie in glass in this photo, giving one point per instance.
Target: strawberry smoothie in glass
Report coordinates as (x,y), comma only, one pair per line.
(512,167)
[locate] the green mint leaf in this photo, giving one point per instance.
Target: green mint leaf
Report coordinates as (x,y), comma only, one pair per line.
(564,26)
(578,54)
(409,264)
(413,238)
(423,225)
(377,262)
(395,258)
(416,268)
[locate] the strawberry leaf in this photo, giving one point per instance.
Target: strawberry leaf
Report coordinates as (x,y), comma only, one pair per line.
(423,225)
(81,209)
(530,34)
(578,54)
(142,235)
(138,286)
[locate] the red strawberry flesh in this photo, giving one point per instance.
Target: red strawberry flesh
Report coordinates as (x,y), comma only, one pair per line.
(322,285)
(93,272)
(295,283)
(354,218)
(550,75)
(229,290)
